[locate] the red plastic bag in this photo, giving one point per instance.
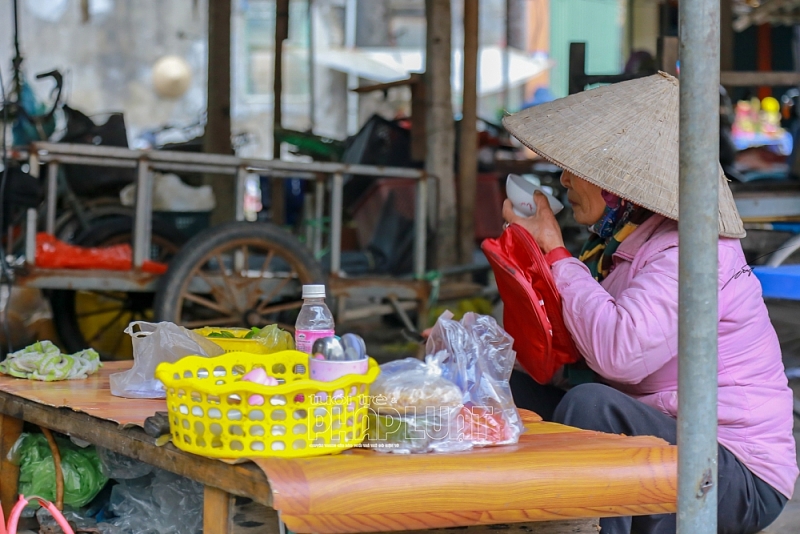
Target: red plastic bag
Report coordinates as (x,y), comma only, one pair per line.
(54,254)
(532,305)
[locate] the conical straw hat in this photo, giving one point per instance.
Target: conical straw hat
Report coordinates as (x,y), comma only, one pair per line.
(621,137)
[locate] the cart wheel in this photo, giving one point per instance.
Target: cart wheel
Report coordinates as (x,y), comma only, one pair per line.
(97,319)
(237,274)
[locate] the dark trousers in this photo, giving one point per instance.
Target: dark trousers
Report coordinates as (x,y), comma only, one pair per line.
(747,504)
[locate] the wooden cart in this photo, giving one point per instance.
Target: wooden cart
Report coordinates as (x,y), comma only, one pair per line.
(236,274)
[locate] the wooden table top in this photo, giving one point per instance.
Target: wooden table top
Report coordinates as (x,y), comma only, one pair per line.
(553,473)
(85,409)
(92,396)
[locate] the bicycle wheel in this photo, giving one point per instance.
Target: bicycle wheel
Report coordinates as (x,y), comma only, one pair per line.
(237,274)
(68,225)
(97,319)
(787,254)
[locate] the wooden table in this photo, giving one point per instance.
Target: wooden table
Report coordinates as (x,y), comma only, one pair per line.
(557,479)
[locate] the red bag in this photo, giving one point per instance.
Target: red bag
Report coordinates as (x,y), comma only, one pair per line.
(532,305)
(54,254)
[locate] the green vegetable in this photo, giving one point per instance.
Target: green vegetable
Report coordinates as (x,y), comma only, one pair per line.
(83,476)
(222,334)
(44,361)
(252,333)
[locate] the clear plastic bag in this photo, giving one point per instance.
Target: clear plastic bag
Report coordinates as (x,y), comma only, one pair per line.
(415,409)
(153,344)
(411,431)
(119,467)
(479,361)
(274,339)
(411,384)
(48,523)
(158,503)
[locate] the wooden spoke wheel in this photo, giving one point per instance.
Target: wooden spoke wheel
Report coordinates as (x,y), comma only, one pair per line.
(96,319)
(237,274)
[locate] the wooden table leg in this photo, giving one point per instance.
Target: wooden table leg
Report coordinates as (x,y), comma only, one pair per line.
(568,526)
(216,511)
(248,517)
(223,512)
(10,429)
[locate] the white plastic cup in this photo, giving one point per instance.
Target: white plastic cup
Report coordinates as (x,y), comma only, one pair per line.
(520,191)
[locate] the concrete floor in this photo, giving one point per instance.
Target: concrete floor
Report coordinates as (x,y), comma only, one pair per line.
(786,319)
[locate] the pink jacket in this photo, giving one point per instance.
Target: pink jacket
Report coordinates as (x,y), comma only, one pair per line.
(627,329)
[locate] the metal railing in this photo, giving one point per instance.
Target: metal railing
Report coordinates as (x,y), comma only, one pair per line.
(146,162)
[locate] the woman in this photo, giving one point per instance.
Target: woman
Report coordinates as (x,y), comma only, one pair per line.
(618,146)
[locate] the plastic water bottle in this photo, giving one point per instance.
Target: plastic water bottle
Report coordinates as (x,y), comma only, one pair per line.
(315,319)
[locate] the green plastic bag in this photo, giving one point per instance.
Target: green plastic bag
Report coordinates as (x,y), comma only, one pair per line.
(83,477)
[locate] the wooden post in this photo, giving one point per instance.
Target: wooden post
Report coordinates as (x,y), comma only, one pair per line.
(217,139)
(468,151)
(418,114)
(440,129)
(536,13)
(216,511)
(668,55)
(281,34)
(577,67)
(726,36)
(516,38)
(10,429)
(764,50)
(664,18)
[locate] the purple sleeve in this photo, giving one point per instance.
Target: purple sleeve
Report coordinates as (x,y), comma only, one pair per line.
(627,338)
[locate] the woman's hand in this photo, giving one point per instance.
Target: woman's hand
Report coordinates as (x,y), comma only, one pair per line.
(542,225)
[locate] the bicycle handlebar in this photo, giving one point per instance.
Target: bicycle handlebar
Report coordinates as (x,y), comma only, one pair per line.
(59,79)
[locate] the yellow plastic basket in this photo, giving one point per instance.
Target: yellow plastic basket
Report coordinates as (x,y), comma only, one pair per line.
(233,345)
(212,412)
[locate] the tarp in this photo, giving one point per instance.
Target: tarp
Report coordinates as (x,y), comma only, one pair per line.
(385,65)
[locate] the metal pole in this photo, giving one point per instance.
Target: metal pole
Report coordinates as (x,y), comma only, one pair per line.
(15,7)
(52,197)
(241,187)
(507,58)
(350,17)
(420,227)
(336,223)
(319,212)
(17,61)
(34,164)
(698,266)
(312,108)
(142,223)
(30,236)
